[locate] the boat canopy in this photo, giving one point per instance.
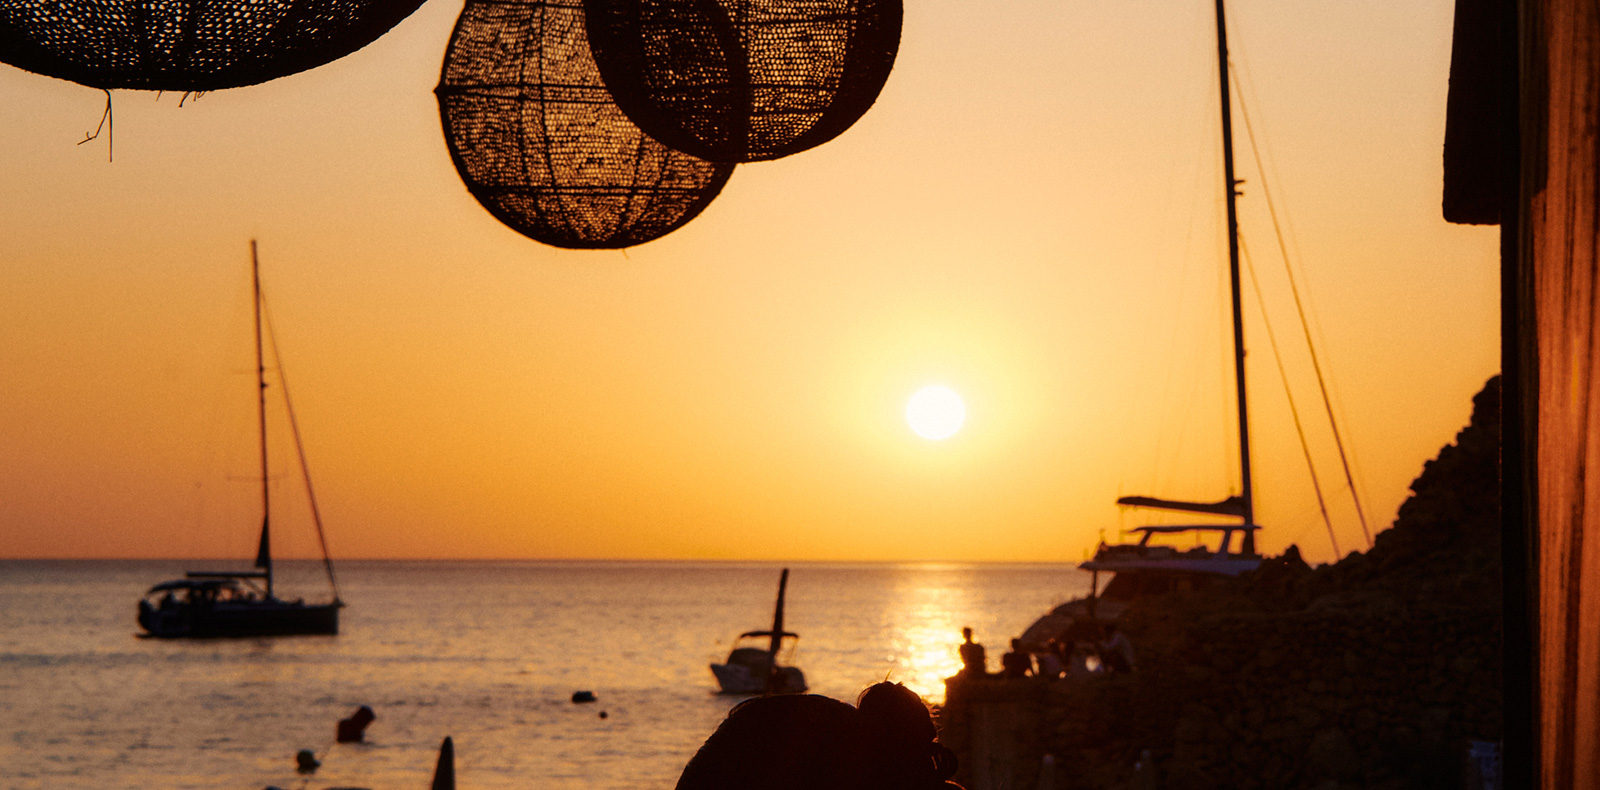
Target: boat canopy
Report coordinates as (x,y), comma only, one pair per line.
(1232,506)
(1192,527)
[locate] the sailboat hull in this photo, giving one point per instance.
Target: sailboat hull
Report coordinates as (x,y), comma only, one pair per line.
(245,619)
(221,604)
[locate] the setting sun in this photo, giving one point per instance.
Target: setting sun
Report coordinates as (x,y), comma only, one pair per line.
(935,412)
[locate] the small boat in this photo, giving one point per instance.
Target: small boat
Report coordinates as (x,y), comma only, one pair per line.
(207,604)
(755,670)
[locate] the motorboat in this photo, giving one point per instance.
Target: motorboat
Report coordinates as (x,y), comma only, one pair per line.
(754,669)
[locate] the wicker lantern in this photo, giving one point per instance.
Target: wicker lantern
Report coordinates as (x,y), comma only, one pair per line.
(187,45)
(744,80)
(540,144)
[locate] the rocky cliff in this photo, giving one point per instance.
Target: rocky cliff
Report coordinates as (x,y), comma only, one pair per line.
(1374,672)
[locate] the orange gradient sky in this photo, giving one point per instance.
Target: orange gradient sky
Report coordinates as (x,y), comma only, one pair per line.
(1029,215)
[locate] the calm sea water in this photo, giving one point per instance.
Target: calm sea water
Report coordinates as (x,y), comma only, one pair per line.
(486,652)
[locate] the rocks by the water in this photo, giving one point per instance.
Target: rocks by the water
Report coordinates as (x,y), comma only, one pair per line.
(354,728)
(1376,671)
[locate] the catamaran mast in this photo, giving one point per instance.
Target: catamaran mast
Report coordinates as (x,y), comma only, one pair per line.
(1230,188)
(264,550)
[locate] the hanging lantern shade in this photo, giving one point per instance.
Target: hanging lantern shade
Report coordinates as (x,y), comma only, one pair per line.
(542,146)
(744,80)
(187,45)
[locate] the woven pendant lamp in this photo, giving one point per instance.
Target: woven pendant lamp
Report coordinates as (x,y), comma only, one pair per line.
(744,80)
(539,142)
(187,45)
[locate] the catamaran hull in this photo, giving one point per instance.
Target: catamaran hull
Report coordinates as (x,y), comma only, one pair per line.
(272,618)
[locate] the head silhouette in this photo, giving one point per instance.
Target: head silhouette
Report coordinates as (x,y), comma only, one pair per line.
(789,742)
(810,742)
(899,735)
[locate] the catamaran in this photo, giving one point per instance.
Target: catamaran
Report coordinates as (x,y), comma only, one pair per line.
(1145,568)
(242,603)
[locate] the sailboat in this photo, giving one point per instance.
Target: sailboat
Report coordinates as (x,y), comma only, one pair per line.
(755,670)
(1142,567)
(206,604)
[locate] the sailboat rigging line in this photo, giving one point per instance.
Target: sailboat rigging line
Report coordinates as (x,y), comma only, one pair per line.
(305,468)
(1294,411)
(1299,307)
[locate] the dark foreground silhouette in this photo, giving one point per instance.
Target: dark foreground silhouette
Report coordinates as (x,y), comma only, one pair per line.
(809,742)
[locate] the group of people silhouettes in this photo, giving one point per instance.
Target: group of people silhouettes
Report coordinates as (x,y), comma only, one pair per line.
(1105,651)
(886,741)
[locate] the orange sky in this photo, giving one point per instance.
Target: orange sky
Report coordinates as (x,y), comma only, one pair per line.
(1029,215)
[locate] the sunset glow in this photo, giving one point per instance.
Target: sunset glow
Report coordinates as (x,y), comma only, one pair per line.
(1054,254)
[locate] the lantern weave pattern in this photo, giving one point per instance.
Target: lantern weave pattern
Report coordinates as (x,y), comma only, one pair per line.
(539,142)
(744,80)
(187,45)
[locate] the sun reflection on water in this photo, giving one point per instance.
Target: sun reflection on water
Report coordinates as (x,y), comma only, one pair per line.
(925,635)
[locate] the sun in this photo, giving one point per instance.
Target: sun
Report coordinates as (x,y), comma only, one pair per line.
(935,412)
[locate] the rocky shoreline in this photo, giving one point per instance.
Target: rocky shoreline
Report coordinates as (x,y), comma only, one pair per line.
(1374,672)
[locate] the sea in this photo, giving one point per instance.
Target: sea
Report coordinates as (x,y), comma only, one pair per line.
(488,653)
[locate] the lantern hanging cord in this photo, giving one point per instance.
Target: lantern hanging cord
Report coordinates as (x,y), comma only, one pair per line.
(106,124)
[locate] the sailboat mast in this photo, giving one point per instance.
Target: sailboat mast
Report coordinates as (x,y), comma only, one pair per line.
(264,550)
(1230,188)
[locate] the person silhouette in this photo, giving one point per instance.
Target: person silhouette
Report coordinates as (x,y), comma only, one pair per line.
(812,742)
(903,752)
(973,658)
(1116,652)
(1017,663)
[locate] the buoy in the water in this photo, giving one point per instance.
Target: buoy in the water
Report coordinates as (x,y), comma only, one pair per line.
(602,714)
(583,696)
(306,762)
